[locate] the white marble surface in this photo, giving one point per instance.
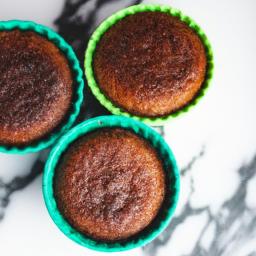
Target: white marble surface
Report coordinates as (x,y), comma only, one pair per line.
(215,145)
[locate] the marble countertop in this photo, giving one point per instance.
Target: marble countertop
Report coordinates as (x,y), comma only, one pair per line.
(215,143)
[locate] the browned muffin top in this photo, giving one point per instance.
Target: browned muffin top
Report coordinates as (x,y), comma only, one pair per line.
(109,184)
(35,86)
(150,64)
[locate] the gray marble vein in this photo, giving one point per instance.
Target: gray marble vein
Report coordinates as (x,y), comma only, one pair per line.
(234,223)
(152,248)
(16,184)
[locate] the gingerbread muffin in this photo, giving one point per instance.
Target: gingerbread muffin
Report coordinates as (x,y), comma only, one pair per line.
(109,184)
(35,87)
(150,64)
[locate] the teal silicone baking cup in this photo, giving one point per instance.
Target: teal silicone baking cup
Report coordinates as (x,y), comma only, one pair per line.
(107,24)
(78,84)
(172,177)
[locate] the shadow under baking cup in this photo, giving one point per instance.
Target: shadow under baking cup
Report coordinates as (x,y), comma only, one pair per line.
(165,213)
(112,20)
(78,85)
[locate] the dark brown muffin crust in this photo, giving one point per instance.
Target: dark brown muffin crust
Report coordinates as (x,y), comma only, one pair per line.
(109,184)
(35,87)
(150,64)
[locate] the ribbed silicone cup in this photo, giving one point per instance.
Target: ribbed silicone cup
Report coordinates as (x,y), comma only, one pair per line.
(78,84)
(107,24)
(172,176)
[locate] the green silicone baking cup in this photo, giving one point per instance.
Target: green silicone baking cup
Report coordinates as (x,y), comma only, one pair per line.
(107,24)
(78,85)
(172,176)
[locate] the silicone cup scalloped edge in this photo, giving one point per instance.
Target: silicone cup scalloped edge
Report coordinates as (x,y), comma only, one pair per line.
(171,170)
(105,25)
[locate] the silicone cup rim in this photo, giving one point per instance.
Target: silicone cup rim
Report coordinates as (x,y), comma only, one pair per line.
(96,123)
(113,19)
(67,50)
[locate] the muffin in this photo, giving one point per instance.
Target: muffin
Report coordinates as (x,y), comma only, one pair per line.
(35,87)
(150,64)
(109,184)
